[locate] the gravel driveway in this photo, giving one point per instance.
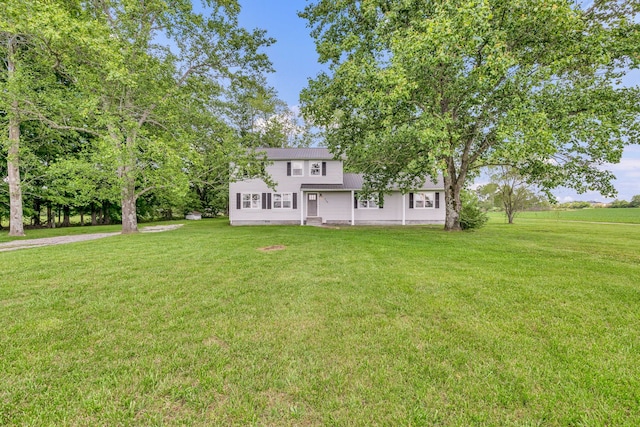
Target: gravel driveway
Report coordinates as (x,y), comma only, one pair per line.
(60,240)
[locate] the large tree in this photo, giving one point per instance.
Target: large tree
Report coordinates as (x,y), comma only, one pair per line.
(45,47)
(177,60)
(421,87)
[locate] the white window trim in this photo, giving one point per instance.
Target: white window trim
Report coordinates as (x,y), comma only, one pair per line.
(282,201)
(294,168)
(430,194)
(319,168)
(369,203)
(251,201)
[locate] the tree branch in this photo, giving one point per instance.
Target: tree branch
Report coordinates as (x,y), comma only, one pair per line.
(42,118)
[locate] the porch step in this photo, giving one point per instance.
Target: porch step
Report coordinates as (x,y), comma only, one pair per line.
(314,220)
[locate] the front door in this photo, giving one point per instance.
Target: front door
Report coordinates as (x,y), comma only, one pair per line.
(312,204)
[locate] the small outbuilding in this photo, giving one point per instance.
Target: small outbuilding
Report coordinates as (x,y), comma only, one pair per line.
(195,215)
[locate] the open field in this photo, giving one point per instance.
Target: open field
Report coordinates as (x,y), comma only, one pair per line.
(537,323)
(627,215)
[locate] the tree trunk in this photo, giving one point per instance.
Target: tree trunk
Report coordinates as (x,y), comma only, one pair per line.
(508,201)
(94,220)
(66,222)
(16,226)
(452,203)
(59,217)
(50,218)
(106,216)
(37,206)
(128,193)
(129,218)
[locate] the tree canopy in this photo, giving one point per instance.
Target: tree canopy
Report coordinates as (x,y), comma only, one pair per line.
(421,87)
(107,102)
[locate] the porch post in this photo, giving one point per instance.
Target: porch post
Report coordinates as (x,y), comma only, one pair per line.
(404,207)
(353,212)
(301,207)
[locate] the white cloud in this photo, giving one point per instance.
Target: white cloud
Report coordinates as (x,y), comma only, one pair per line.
(625,165)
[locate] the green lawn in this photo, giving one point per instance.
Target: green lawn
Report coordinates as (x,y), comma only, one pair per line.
(627,215)
(537,323)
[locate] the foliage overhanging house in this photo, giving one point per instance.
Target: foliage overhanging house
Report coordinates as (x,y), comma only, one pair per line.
(312,188)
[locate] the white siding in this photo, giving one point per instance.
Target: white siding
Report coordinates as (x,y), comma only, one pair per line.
(333,206)
(284,184)
(391,212)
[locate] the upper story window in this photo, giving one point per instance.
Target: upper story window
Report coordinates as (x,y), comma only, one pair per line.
(315,168)
(297,168)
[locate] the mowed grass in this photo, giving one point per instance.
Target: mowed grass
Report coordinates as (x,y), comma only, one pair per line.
(624,215)
(536,323)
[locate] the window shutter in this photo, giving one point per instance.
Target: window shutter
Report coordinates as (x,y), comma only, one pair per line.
(238,201)
(380,201)
(410,200)
(264,200)
(324,168)
(288,168)
(437,200)
(268,200)
(355,200)
(295,200)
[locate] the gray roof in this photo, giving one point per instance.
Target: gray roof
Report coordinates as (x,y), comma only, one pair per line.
(322,187)
(355,181)
(297,153)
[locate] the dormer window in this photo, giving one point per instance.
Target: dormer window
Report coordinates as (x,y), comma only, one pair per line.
(315,168)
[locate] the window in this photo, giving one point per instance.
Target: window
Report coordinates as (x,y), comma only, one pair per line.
(423,200)
(251,201)
(369,203)
(282,200)
(315,168)
(297,168)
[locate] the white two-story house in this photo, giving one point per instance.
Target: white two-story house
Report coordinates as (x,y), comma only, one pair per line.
(312,188)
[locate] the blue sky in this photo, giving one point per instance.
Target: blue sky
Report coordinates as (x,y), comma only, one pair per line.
(295,60)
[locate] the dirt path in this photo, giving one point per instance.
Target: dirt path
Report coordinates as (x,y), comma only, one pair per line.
(61,240)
